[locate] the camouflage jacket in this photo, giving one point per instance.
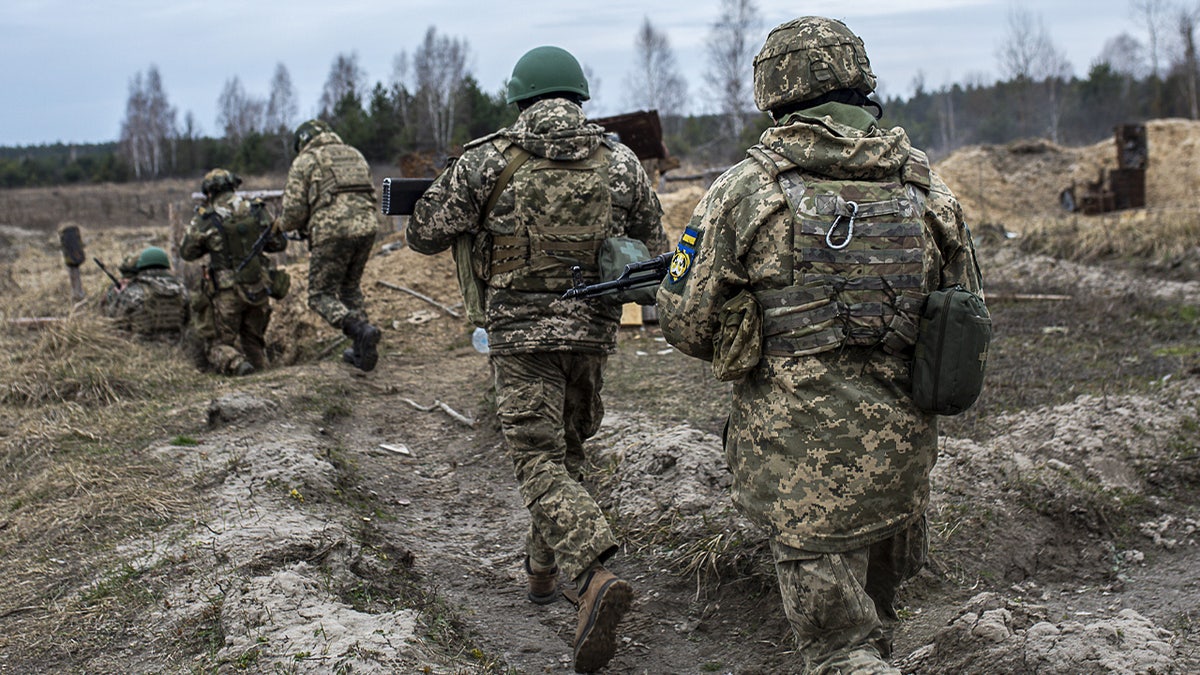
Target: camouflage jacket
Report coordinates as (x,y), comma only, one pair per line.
(325,196)
(154,303)
(525,321)
(827,450)
(225,229)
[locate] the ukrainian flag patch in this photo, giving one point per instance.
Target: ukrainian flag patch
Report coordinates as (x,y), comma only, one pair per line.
(685,252)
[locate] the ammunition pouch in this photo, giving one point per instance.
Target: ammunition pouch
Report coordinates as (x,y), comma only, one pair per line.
(951,351)
(470,283)
(281,283)
(615,253)
(737,346)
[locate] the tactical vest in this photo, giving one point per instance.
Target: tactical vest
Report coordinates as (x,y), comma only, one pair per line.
(342,169)
(562,211)
(240,224)
(162,309)
(858,252)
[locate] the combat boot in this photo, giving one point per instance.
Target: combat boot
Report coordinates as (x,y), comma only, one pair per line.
(543,585)
(348,357)
(603,600)
(365,337)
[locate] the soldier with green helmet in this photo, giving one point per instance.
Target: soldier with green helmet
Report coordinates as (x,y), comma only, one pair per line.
(151,302)
(329,198)
(801,276)
(534,199)
(231,309)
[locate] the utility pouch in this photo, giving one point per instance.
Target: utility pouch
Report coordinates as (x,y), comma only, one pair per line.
(737,346)
(473,288)
(281,283)
(614,254)
(951,351)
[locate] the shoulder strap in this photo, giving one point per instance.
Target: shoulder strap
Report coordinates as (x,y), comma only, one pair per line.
(519,158)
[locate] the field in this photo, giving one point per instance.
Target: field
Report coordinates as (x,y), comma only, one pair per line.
(314,519)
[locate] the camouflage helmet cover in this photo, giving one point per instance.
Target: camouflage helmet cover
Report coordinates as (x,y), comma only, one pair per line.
(807,57)
(544,70)
(219,180)
(153,256)
(308,131)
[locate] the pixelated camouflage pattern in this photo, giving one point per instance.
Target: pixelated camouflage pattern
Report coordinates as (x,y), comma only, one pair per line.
(548,405)
(154,304)
(828,452)
(519,321)
(807,57)
(328,192)
(335,271)
(241,329)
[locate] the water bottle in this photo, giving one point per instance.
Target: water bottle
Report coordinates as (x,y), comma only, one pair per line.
(479,340)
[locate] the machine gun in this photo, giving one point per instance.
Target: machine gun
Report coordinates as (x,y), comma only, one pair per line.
(640,274)
(400,195)
(115,280)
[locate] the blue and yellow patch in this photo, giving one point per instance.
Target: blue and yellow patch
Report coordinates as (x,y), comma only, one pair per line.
(685,252)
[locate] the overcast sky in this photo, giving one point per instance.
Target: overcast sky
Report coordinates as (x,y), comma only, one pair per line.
(68,63)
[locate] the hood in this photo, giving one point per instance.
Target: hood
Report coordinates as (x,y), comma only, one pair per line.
(323,138)
(556,129)
(839,141)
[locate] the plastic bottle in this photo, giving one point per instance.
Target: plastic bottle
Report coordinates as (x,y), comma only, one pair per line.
(479,340)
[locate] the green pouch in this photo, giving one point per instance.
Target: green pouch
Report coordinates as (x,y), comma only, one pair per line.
(472,287)
(617,252)
(737,347)
(281,283)
(951,351)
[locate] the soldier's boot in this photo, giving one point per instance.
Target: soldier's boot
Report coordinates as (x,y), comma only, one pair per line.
(243,368)
(348,357)
(543,584)
(603,600)
(366,338)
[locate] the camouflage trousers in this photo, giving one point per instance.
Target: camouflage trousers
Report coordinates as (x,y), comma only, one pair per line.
(548,404)
(841,605)
(241,329)
(335,271)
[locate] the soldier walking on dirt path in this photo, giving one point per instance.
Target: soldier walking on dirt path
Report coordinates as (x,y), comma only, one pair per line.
(569,187)
(801,276)
(231,309)
(150,302)
(329,198)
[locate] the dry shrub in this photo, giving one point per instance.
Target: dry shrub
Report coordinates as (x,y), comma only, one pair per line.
(1157,236)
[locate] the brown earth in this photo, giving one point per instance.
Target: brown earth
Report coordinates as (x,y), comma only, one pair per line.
(315,519)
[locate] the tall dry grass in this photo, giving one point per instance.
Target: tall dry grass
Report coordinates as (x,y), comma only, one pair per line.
(1160,236)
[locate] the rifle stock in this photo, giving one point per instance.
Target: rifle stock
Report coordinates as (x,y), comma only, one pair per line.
(641,274)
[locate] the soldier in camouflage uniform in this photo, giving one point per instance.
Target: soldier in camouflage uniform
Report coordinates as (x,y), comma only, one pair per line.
(536,198)
(152,302)
(231,309)
(800,276)
(330,199)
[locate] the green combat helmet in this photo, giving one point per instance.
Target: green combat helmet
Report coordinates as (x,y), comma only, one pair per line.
(807,57)
(219,180)
(153,257)
(544,70)
(308,131)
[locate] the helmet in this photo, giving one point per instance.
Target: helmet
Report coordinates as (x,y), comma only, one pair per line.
(544,70)
(153,256)
(807,57)
(308,131)
(219,180)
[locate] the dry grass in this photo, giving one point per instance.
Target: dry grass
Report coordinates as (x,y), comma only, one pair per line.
(1159,236)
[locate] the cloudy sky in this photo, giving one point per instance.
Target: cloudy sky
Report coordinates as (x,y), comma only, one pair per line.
(69,63)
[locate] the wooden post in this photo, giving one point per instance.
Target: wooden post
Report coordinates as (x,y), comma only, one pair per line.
(73,256)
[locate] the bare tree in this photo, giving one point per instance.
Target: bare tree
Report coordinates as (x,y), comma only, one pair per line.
(1029,57)
(282,107)
(346,77)
(1152,14)
(655,82)
(731,47)
(1187,63)
(593,105)
(1125,55)
(149,127)
(238,114)
(440,66)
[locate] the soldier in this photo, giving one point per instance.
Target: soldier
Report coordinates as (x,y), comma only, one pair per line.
(232,308)
(330,199)
(151,302)
(569,188)
(800,276)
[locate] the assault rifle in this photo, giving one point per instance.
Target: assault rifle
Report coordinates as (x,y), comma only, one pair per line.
(115,280)
(257,249)
(640,274)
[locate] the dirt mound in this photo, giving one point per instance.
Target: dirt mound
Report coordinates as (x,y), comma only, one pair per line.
(1008,184)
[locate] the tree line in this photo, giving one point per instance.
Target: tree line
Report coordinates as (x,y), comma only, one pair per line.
(432,103)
